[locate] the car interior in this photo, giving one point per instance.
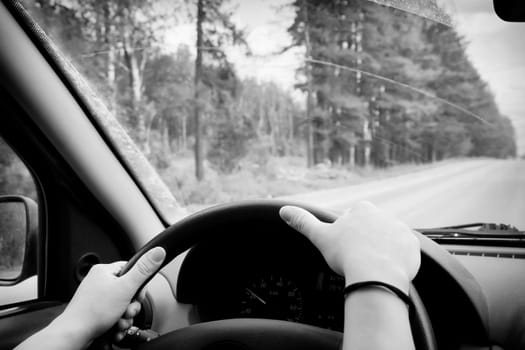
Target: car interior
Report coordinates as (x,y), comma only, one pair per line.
(468,294)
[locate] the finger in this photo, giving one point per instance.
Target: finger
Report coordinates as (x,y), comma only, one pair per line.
(146,266)
(142,295)
(119,336)
(302,221)
(132,310)
(124,323)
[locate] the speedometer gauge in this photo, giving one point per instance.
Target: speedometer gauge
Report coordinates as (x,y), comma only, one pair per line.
(272,296)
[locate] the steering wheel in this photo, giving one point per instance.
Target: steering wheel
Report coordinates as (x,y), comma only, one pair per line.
(254,334)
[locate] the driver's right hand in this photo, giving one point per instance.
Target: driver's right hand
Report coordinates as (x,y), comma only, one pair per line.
(364,244)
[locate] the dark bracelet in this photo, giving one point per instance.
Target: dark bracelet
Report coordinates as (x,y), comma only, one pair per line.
(355,286)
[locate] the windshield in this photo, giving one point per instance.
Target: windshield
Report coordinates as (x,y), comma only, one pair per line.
(413,105)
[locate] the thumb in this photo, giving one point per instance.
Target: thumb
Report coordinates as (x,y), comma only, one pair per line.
(302,221)
(146,266)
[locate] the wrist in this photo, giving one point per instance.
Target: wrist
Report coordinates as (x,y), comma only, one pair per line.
(384,272)
(352,288)
(376,319)
(376,295)
(70,330)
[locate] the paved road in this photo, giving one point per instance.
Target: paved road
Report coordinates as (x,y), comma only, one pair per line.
(455,193)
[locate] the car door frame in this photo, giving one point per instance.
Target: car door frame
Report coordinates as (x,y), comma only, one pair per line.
(52,132)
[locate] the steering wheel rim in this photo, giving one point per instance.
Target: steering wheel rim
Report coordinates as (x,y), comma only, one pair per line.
(236,333)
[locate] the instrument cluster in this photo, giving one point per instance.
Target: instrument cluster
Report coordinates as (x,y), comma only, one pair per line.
(312,298)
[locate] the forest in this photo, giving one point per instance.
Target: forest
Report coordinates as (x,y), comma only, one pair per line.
(382,88)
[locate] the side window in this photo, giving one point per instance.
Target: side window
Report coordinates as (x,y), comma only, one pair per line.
(18,229)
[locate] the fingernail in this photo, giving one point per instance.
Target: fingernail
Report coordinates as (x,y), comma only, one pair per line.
(285,214)
(158,254)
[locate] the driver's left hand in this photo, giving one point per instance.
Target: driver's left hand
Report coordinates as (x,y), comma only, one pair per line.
(103,299)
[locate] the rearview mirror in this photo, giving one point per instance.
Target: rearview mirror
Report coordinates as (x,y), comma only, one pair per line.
(18,239)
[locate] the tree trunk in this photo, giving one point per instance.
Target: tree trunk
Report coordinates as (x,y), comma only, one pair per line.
(433,153)
(392,153)
(166,137)
(351,156)
(367,138)
(184,136)
(138,120)
(309,126)
(290,138)
(199,152)
(366,155)
(112,58)
(111,77)
(386,152)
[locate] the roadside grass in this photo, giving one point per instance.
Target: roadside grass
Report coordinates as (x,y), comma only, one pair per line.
(276,177)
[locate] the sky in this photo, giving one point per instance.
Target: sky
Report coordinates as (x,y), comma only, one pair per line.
(265,23)
(496,48)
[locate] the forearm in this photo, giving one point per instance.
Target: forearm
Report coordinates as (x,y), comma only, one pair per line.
(376,319)
(60,334)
